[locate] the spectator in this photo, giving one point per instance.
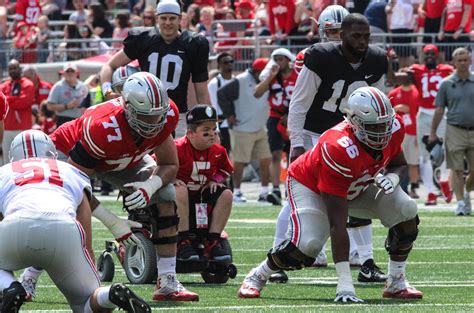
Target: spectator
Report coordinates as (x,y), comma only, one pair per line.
(42,88)
(225,64)
(43,36)
(122,25)
(197,193)
(455,94)
(79,16)
(149,17)
(280,81)
(304,15)
(401,20)
(136,6)
(375,13)
(94,45)
(206,25)
(25,43)
(221,7)
(204,3)
(47,119)
(27,11)
(136,21)
(456,21)
(20,94)
(247,115)
(281,18)
(185,23)
(98,23)
(227,39)
(67,94)
(72,50)
(404,100)
(431,11)
(261,16)
(193,12)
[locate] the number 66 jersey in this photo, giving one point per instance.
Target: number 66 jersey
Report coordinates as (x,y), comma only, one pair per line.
(339,165)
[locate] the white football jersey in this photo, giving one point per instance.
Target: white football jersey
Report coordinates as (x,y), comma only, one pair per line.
(41,185)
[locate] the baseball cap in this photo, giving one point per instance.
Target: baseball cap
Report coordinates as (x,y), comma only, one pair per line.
(201,113)
(431,47)
(69,66)
(168,7)
(259,64)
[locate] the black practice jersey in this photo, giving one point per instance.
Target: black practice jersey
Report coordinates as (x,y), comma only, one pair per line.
(338,80)
(172,63)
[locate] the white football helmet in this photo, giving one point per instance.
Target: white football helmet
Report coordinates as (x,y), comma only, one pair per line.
(32,144)
(120,75)
(330,18)
(371,116)
(146,103)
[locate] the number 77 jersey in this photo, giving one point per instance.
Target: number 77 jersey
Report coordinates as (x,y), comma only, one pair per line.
(339,165)
(106,137)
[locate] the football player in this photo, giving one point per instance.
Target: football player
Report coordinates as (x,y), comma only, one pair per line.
(203,168)
(354,169)
(113,141)
(120,75)
(170,54)
(47,222)
(331,71)
(427,77)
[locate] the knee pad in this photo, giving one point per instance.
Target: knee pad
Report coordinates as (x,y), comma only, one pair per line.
(158,223)
(287,256)
(166,194)
(357,222)
(399,242)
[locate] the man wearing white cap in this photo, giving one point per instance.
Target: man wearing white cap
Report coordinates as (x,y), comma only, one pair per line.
(171,54)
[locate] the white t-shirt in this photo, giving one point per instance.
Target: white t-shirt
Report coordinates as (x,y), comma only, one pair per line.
(41,185)
(403,16)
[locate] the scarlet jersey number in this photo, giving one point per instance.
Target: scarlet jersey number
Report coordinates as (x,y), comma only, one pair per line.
(34,171)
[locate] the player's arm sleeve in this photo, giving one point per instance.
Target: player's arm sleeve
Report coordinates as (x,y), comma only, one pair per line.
(200,60)
(135,43)
(226,95)
(305,90)
(335,173)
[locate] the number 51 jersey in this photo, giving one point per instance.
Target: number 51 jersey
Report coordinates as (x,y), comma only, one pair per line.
(339,165)
(173,63)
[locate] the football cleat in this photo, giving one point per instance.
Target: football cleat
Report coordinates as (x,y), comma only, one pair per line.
(13,298)
(398,287)
(274,197)
(446,191)
(214,250)
(460,208)
(371,273)
(278,277)
(168,288)
(186,251)
(30,286)
(431,200)
(127,300)
(252,285)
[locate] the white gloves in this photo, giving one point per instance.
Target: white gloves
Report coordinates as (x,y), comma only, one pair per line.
(120,228)
(388,182)
(144,190)
(347,297)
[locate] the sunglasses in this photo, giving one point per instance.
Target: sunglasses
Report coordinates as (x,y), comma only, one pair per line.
(148,17)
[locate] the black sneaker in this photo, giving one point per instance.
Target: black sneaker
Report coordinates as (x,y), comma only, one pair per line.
(274,197)
(186,251)
(371,273)
(278,277)
(127,300)
(215,251)
(13,298)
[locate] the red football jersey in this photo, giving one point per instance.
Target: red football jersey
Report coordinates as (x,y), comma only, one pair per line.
(28,11)
(409,98)
(280,96)
(454,13)
(339,165)
(427,82)
(196,167)
(104,132)
(3,106)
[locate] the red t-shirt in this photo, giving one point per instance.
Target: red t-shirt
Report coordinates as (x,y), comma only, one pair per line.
(28,11)
(427,82)
(434,8)
(3,106)
(283,11)
(104,132)
(196,167)
(454,12)
(42,91)
(410,98)
(280,96)
(339,165)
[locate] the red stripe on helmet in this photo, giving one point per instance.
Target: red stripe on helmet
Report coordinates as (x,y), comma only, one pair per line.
(123,72)
(380,102)
(155,89)
(29,146)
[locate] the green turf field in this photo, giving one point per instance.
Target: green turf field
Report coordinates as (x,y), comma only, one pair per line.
(441,265)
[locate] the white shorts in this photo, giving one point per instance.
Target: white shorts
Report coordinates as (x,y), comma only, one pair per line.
(309,221)
(54,242)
